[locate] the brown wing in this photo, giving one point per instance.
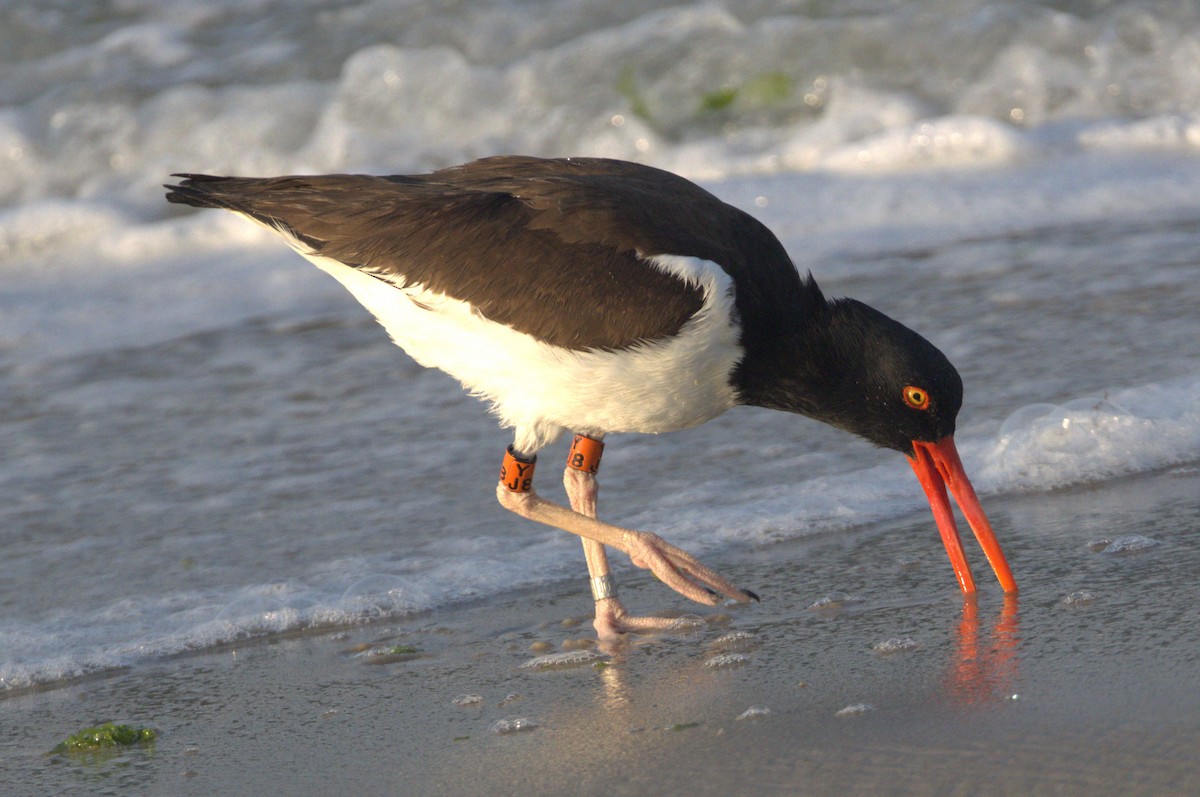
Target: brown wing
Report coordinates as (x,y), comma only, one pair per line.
(553,248)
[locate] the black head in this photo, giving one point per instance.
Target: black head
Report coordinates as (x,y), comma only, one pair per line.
(880,380)
(892,386)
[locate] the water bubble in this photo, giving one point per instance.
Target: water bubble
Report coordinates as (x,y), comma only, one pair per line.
(569,658)
(723,660)
(1024,419)
(254,614)
(754,712)
(736,640)
(1131,543)
(898,644)
(855,710)
(1099,407)
(383,595)
(513,725)
(685,623)
(834,601)
(1042,442)
(1098,544)
(390,654)
(467,700)
(1078,598)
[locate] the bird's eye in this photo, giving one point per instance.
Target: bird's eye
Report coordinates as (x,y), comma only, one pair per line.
(916,398)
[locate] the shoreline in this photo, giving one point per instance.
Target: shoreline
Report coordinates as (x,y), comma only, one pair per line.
(991,696)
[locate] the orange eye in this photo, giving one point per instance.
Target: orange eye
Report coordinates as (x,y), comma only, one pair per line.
(916,398)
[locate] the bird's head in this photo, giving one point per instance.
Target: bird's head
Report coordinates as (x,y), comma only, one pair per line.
(886,383)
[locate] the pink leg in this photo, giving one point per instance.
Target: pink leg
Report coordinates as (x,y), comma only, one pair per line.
(611,618)
(676,568)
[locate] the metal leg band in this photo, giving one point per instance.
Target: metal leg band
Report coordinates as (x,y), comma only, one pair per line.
(604,587)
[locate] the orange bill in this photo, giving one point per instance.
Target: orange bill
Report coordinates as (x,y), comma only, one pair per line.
(938,467)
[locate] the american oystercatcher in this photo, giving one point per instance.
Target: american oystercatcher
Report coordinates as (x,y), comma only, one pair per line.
(595,296)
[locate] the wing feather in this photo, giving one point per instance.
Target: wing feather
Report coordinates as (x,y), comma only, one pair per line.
(557,249)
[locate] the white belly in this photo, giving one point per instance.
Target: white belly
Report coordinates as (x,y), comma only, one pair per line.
(539,389)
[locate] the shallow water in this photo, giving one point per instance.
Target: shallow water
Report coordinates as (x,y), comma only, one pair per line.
(999,695)
(205,439)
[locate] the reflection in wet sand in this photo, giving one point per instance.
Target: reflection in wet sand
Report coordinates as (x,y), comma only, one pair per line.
(985,669)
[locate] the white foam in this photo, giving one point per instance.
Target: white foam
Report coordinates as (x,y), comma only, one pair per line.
(1042,446)
(1163,132)
(942,142)
(700,88)
(29,229)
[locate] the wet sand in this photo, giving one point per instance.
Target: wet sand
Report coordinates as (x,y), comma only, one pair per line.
(1034,695)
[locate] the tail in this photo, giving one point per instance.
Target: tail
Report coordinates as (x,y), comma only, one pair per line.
(247,196)
(310,211)
(202,191)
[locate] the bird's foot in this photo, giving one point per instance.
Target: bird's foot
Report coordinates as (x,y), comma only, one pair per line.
(679,570)
(612,621)
(673,566)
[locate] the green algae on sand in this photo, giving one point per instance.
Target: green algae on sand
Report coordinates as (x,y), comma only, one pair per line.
(103,736)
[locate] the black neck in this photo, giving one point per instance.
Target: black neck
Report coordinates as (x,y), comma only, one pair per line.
(789,362)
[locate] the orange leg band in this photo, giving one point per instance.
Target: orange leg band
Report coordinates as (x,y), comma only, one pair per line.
(516,474)
(585,454)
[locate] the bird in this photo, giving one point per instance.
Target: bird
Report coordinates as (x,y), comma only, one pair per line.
(598,296)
